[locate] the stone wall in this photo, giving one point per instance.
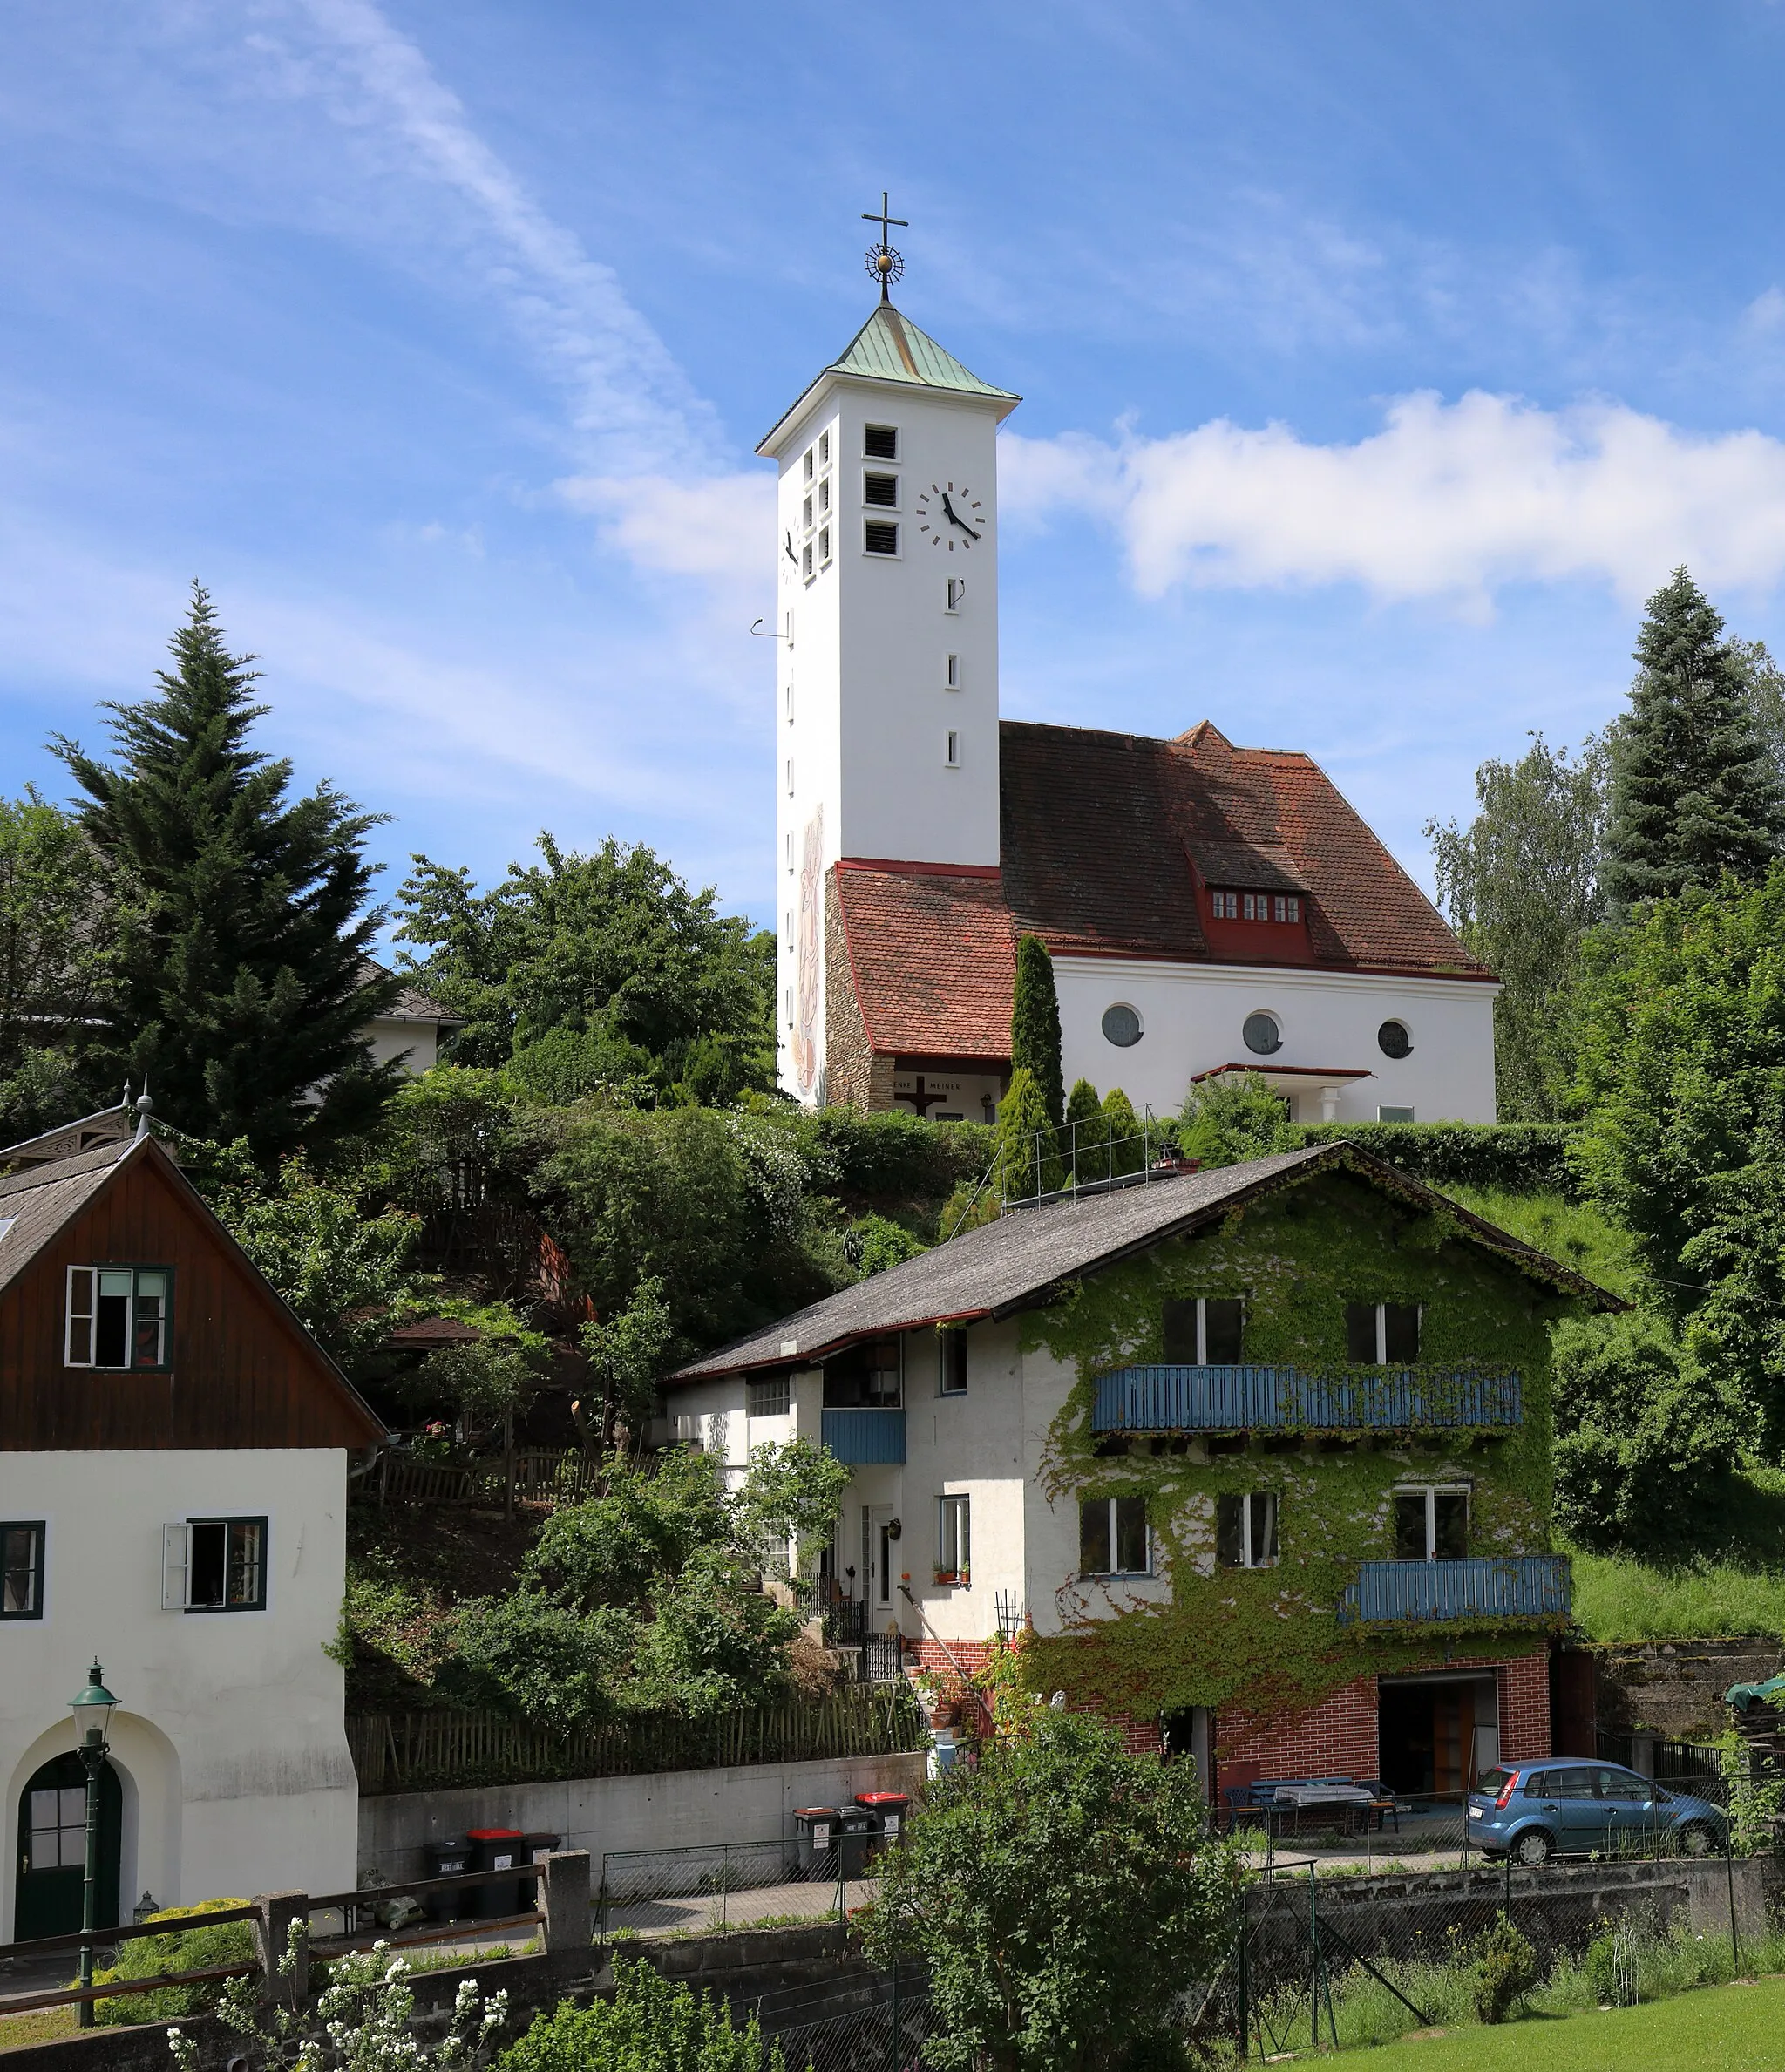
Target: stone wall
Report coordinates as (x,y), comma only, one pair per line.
(856,1075)
(1677,1687)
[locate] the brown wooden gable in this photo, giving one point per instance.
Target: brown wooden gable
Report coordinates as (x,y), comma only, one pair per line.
(244,1371)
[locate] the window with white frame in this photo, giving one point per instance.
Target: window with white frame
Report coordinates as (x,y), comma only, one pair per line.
(880,442)
(214,1564)
(1225,905)
(951,749)
(1245,1529)
(1206,1331)
(956,591)
(1431,1524)
(1113,1536)
(22,1568)
(768,1396)
(118,1316)
(1382,1333)
(954,1539)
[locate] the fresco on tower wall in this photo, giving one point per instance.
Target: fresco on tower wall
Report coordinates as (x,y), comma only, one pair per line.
(808,962)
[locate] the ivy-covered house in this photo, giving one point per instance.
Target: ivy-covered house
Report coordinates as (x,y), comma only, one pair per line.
(1258,1458)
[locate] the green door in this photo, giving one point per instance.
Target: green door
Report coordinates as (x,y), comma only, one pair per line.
(53,1850)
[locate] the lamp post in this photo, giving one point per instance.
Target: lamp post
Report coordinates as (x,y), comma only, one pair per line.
(92,1714)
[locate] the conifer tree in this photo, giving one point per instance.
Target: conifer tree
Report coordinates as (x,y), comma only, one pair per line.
(1085,1140)
(1027,1161)
(1693,793)
(241,985)
(1035,1026)
(1127,1149)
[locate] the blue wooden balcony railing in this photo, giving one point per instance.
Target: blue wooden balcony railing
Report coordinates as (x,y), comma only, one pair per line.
(1293,1399)
(1482,1591)
(866,1438)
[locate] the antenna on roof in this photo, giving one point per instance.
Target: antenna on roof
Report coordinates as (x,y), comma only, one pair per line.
(145,1109)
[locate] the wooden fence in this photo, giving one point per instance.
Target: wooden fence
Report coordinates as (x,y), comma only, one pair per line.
(565,1476)
(419,1751)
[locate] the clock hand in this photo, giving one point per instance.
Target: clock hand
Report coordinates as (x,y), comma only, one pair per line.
(791,556)
(954,517)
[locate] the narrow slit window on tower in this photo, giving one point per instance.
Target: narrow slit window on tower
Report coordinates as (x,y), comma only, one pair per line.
(789,837)
(951,673)
(878,537)
(790,781)
(957,590)
(880,442)
(808,464)
(881,490)
(824,546)
(789,716)
(952,752)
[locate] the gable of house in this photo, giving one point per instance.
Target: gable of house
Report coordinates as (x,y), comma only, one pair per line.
(241,1372)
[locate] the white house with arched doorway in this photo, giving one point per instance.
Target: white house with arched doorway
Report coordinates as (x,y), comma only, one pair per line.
(173,1456)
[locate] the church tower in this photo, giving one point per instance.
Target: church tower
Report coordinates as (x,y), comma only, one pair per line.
(886,701)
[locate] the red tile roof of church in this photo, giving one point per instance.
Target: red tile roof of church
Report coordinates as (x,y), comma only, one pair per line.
(1100,832)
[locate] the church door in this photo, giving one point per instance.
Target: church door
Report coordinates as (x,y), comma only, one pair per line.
(52,1849)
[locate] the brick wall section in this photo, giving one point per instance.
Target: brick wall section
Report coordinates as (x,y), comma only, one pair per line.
(1338,1737)
(856,1076)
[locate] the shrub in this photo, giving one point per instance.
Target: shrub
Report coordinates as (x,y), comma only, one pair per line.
(1506,1969)
(1522,1157)
(648,2026)
(195,1948)
(876,1242)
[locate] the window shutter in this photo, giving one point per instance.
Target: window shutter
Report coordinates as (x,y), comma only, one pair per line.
(77,1334)
(176,1567)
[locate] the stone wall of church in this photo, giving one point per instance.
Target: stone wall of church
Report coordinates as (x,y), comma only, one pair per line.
(856,1075)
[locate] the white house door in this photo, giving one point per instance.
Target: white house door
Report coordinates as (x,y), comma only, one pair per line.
(879,1557)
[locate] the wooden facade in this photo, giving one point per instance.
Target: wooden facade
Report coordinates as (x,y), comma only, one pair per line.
(243,1371)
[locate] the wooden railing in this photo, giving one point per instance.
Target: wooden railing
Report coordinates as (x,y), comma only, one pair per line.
(419,1751)
(1480,1590)
(564,1476)
(1299,1399)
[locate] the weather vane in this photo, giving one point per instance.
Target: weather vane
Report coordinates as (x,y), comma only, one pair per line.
(883,261)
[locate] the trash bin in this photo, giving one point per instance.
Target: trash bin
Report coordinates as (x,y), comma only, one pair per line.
(887,1807)
(495,1849)
(817,1827)
(534,1850)
(858,1833)
(447,1860)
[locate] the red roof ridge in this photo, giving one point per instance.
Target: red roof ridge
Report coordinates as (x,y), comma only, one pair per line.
(898,868)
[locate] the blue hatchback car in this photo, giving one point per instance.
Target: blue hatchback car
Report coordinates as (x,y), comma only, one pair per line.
(1533,1811)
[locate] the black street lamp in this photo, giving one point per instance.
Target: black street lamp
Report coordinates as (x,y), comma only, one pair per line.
(93,1713)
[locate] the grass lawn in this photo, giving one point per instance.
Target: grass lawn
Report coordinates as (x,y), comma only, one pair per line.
(42,2025)
(1723,2028)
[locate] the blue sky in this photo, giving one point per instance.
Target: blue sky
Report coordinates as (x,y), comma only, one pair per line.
(1377,361)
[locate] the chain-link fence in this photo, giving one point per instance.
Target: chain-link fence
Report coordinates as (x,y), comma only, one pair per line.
(712,1890)
(872,2024)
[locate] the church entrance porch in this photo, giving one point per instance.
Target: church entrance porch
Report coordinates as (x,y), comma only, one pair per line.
(967,1091)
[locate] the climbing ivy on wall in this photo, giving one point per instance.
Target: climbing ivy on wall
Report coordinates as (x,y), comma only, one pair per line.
(1268,1640)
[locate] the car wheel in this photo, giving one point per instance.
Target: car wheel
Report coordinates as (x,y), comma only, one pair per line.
(1532,1848)
(1696,1839)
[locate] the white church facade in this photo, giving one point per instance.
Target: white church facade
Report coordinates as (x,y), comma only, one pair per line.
(1209,907)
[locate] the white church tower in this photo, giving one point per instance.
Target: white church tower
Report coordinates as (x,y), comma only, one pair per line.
(887,703)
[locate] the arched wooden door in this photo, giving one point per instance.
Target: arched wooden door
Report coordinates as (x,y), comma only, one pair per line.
(52,1849)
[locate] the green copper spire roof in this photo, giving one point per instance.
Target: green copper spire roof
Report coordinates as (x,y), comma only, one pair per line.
(889,347)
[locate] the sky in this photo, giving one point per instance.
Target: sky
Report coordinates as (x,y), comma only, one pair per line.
(1377,362)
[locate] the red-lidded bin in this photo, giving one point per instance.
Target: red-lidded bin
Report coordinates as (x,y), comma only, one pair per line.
(817,1826)
(888,1807)
(496,1849)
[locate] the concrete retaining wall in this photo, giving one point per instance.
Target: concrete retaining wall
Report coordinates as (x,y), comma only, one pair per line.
(669,1809)
(1678,1686)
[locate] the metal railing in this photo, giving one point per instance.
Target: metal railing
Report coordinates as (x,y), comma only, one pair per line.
(1298,1399)
(1480,1590)
(865,1437)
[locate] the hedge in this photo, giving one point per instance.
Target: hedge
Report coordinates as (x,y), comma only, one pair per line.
(1522,1157)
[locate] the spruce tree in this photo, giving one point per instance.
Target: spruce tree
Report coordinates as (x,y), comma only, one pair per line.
(1035,1026)
(1084,1142)
(1028,1158)
(241,990)
(1693,793)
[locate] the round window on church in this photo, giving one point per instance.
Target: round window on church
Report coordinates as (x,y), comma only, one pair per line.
(1262,1034)
(1393,1041)
(1122,1025)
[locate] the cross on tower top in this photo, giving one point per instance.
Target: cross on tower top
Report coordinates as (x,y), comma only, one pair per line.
(884,262)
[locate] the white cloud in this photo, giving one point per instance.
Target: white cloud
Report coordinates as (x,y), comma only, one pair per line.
(1447,501)
(717,528)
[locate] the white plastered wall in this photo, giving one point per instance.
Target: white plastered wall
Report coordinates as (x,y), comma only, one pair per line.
(1191,1018)
(229,1739)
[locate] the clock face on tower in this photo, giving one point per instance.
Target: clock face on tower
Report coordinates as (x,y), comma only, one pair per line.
(950,515)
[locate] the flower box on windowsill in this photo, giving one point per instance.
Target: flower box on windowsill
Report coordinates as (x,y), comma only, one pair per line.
(952,1576)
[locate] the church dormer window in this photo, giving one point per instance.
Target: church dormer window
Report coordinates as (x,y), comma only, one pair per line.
(881,490)
(879,538)
(880,442)
(1225,905)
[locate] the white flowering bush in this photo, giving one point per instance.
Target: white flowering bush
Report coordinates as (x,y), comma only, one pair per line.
(362,2022)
